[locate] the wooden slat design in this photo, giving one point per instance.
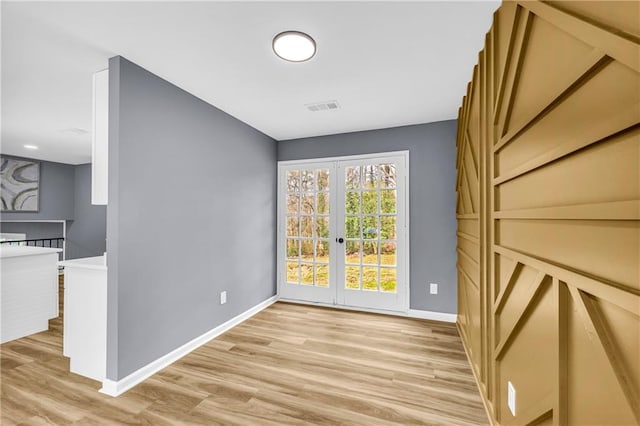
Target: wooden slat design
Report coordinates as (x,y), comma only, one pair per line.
(582,123)
(587,70)
(527,307)
(504,113)
(468,277)
(597,132)
(611,210)
(474,161)
(468,216)
(508,60)
(614,45)
(562,386)
(539,411)
(597,328)
(615,293)
(468,237)
(514,270)
(464,191)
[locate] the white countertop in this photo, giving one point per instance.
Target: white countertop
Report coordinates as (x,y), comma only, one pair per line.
(86,263)
(7,251)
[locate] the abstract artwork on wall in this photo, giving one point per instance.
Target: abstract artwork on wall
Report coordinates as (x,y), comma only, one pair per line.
(20,181)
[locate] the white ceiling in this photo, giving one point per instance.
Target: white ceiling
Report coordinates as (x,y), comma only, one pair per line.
(386,63)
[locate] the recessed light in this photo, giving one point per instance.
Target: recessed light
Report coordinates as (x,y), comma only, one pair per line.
(294,46)
(30,146)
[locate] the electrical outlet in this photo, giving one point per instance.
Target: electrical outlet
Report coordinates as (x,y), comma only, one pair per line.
(433,288)
(511,398)
(223,297)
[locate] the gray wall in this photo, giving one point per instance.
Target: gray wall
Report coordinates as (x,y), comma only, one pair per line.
(56,194)
(86,234)
(191,213)
(432,176)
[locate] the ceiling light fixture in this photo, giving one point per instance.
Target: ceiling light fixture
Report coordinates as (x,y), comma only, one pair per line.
(294,46)
(30,146)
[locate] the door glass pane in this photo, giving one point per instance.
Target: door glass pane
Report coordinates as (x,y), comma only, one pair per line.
(292,227)
(308,204)
(322,227)
(323,203)
(370,279)
(387,227)
(307,181)
(370,202)
(293,271)
(352,277)
(322,179)
(370,176)
(322,251)
(352,227)
(352,203)
(306,273)
(387,175)
(306,226)
(306,250)
(388,280)
(352,177)
(322,275)
(352,252)
(388,253)
(370,252)
(370,227)
(293,249)
(293,181)
(388,201)
(293,203)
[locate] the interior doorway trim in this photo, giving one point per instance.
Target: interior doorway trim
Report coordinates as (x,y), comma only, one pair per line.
(405,311)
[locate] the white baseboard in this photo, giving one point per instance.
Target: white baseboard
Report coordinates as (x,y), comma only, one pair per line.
(412,313)
(115,388)
(435,316)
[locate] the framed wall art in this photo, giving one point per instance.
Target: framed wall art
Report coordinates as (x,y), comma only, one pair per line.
(20,181)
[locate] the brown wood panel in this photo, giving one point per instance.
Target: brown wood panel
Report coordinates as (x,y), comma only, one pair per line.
(557,309)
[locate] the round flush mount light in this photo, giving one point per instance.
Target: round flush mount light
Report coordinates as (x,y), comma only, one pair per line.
(294,46)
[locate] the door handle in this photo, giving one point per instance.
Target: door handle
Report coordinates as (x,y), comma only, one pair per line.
(340,240)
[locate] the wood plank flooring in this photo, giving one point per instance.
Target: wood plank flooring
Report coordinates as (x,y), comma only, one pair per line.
(289,364)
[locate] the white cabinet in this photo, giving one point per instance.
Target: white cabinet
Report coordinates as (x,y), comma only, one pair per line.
(100,139)
(85,316)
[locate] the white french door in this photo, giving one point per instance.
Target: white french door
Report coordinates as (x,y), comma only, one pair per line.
(343,231)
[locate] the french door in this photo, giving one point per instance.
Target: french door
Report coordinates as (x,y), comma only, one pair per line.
(342,231)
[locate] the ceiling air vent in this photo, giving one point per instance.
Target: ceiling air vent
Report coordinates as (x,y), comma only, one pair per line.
(323,106)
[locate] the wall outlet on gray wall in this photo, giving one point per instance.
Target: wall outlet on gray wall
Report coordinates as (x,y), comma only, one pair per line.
(433,288)
(223,297)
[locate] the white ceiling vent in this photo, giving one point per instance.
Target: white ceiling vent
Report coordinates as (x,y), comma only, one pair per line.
(323,106)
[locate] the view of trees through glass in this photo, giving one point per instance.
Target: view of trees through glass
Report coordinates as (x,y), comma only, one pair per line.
(370,227)
(308,227)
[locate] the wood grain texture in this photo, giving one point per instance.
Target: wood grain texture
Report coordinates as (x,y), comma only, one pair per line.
(557,304)
(289,364)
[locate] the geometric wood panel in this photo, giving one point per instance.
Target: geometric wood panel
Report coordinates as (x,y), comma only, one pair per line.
(548,206)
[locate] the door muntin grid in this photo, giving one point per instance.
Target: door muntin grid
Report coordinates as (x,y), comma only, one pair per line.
(370,227)
(307,225)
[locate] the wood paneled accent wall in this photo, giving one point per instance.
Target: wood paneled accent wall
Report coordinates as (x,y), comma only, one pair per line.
(548,213)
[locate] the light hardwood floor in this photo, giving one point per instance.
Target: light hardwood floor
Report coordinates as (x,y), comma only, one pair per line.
(289,364)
